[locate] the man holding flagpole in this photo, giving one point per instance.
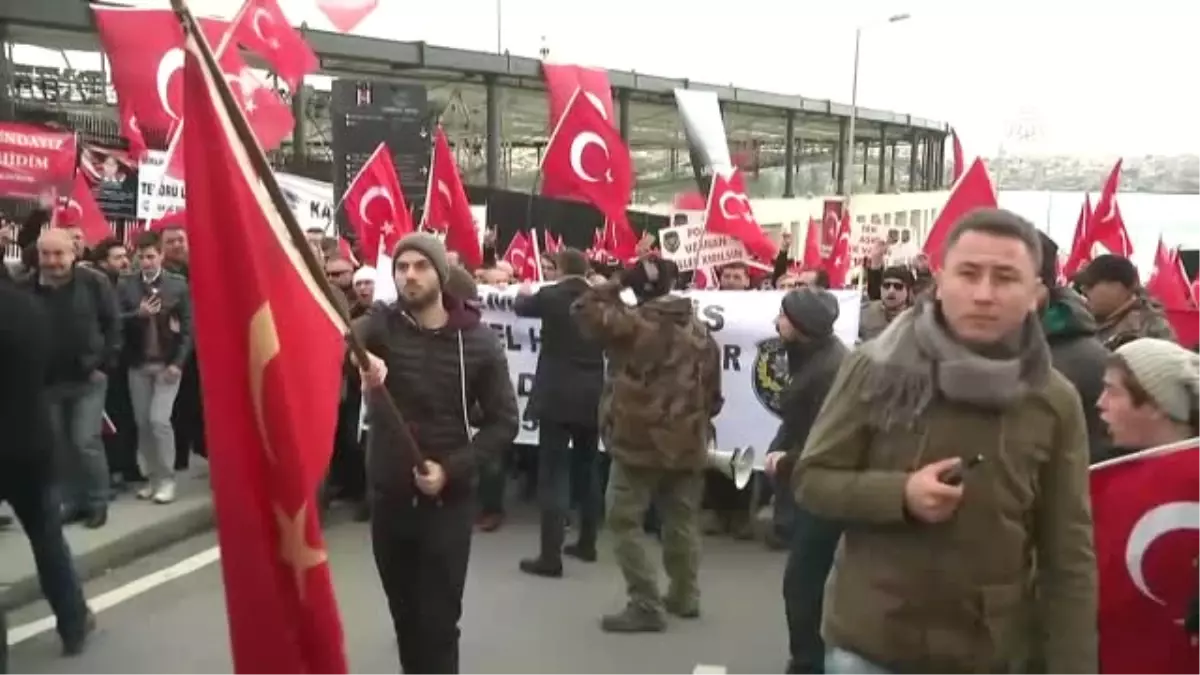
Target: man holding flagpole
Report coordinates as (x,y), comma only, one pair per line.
(444,369)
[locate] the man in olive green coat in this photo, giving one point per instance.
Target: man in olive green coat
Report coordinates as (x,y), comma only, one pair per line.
(957,459)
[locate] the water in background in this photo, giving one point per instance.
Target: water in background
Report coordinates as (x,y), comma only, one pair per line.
(1146,215)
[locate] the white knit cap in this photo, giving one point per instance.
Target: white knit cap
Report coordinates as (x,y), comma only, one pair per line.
(364,273)
(1169,373)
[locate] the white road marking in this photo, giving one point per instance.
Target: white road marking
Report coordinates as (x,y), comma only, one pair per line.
(704,669)
(116,596)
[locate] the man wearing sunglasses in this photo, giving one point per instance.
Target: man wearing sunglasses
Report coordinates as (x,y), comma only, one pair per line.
(894,297)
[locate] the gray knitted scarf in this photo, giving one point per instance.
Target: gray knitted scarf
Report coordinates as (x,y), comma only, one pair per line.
(916,360)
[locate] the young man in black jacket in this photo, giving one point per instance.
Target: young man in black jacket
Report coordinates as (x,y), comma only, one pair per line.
(439,363)
(26,461)
(156,307)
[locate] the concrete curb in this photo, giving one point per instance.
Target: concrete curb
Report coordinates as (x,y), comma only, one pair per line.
(122,551)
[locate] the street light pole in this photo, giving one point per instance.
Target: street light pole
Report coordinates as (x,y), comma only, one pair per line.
(847,175)
(499,26)
(846,185)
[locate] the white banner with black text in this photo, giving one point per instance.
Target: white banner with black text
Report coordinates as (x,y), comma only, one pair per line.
(753,360)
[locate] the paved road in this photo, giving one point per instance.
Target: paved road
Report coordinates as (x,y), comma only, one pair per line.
(512,623)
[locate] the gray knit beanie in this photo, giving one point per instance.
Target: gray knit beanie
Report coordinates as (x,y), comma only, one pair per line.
(427,245)
(1169,373)
(813,311)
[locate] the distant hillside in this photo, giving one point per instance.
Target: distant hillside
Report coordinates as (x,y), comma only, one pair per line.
(1171,174)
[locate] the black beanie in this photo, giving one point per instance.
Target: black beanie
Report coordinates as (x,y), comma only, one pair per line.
(899,273)
(813,311)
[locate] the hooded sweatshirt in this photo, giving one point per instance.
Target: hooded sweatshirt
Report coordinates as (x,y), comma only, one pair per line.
(1076,352)
(436,378)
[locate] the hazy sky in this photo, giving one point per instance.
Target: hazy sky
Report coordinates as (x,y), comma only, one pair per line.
(1083,78)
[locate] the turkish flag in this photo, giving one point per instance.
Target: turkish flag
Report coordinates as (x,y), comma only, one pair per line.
(562,80)
(837,266)
(728,212)
(447,208)
(973,191)
(1081,249)
(523,257)
(812,246)
(274,347)
(262,28)
(585,156)
(80,210)
(145,54)
(1168,282)
(346,14)
(269,117)
(1146,510)
(1107,227)
(375,206)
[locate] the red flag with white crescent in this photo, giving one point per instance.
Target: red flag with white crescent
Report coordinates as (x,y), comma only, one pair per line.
(837,266)
(269,117)
(1146,513)
(447,208)
(80,210)
(375,205)
(586,156)
(1107,227)
(262,28)
(563,79)
(729,213)
(145,54)
(813,260)
(973,191)
(1081,248)
(274,349)
(1168,282)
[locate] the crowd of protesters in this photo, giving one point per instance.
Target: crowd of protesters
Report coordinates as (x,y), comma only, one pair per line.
(124,410)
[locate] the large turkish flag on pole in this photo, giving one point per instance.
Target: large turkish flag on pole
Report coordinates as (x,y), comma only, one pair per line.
(1146,510)
(271,374)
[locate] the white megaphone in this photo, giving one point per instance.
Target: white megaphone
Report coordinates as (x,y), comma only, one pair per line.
(737,464)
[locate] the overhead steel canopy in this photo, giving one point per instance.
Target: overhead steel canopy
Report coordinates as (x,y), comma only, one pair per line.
(456,77)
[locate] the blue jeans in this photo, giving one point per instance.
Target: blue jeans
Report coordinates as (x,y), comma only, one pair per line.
(566,455)
(37,507)
(784,512)
(814,542)
(77,414)
(839,661)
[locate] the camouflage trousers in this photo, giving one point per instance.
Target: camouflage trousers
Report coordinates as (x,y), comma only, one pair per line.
(677,496)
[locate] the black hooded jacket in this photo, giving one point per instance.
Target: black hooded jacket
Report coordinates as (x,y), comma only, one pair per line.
(1077,353)
(439,380)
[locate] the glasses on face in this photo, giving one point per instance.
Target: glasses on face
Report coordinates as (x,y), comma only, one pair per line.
(893,286)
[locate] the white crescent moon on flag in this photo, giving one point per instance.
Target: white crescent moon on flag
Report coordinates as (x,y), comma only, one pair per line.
(133,124)
(599,105)
(578,146)
(73,205)
(1153,524)
(170,62)
(730,195)
(370,195)
(444,190)
(262,14)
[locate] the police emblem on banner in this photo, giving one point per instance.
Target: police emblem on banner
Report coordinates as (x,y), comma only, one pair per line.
(671,242)
(770,374)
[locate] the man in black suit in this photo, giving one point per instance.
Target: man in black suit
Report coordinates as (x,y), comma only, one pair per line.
(27,461)
(564,402)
